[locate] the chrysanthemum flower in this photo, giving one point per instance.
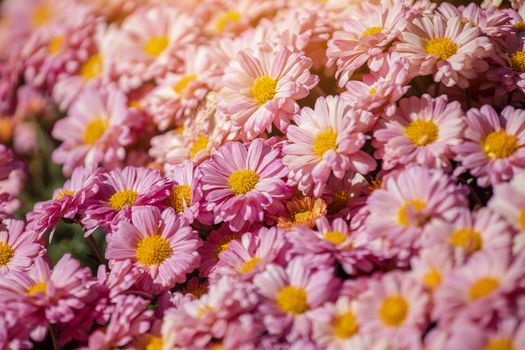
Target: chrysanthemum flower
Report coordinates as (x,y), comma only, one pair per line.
(301,212)
(422,131)
(120,190)
(291,293)
(243,184)
(186,193)
(431,265)
(509,72)
(260,88)
(494,147)
(450,50)
(95,130)
(161,245)
(18,247)
(326,140)
(345,196)
(394,307)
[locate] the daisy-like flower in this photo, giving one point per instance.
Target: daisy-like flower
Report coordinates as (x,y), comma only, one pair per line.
(150,43)
(509,72)
(18,247)
(261,87)
(120,190)
(160,244)
(345,196)
(450,50)
(478,289)
(216,243)
(243,184)
(301,212)
(422,131)
(408,201)
(394,307)
(365,37)
(431,265)
(95,131)
(327,140)
(186,193)
(493,150)
(289,295)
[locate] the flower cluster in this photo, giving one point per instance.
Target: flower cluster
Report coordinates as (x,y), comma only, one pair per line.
(276,174)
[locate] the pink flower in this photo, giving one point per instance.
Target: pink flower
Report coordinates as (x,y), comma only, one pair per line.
(186,194)
(18,247)
(7,162)
(493,150)
(289,295)
(422,131)
(243,184)
(450,50)
(508,74)
(327,139)
(345,196)
(261,87)
(161,246)
(217,242)
(431,265)
(95,131)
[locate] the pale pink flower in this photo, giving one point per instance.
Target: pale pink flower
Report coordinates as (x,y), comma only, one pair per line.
(344,197)
(217,242)
(509,72)
(186,194)
(18,247)
(431,265)
(261,88)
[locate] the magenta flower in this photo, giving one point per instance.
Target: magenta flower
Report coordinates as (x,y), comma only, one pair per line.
(18,247)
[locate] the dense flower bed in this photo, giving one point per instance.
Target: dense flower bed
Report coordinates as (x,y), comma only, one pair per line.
(246,174)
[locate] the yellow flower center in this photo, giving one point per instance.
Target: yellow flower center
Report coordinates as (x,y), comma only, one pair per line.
(432,278)
(292,300)
(92,68)
(518,61)
(243,181)
(373,90)
(371,31)
(153,250)
(264,89)
(183,83)
(483,287)
(339,202)
(521,219)
(55,44)
(41,15)
(422,132)
(40,287)
(6,253)
(156,45)
(94,130)
(325,141)
(180,197)
(64,193)
(444,48)
(500,344)
(197,290)
(393,311)
(6,129)
(466,238)
(225,18)
(408,213)
(122,198)
(520,26)
(155,343)
(198,145)
(335,237)
(224,244)
(304,217)
(345,325)
(250,264)
(499,144)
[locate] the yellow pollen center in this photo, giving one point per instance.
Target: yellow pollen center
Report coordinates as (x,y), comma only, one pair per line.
(408,213)
(520,26)
(345,325)
(335,237)
(243,181)
(94,130)
(155,343)
(224,244)
(180,197)
(422,132)
(6,253)
(183,83)
(156,45)
(40,287)
(325,141)
(197,290)
(432,278)
(499,144)
(122,198)
(371,31)
(55,44)
(373,90)
(292,300)
(92,68)
(393,311)
(198,145)
(153,250)
(304,217)
(444,48)
(41,15)
(225,18)
(6,129)
(64,193)
(250,264)
(466,238)
(483,287)
(521,220)
(264,89)
(517,60)
(500,344)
